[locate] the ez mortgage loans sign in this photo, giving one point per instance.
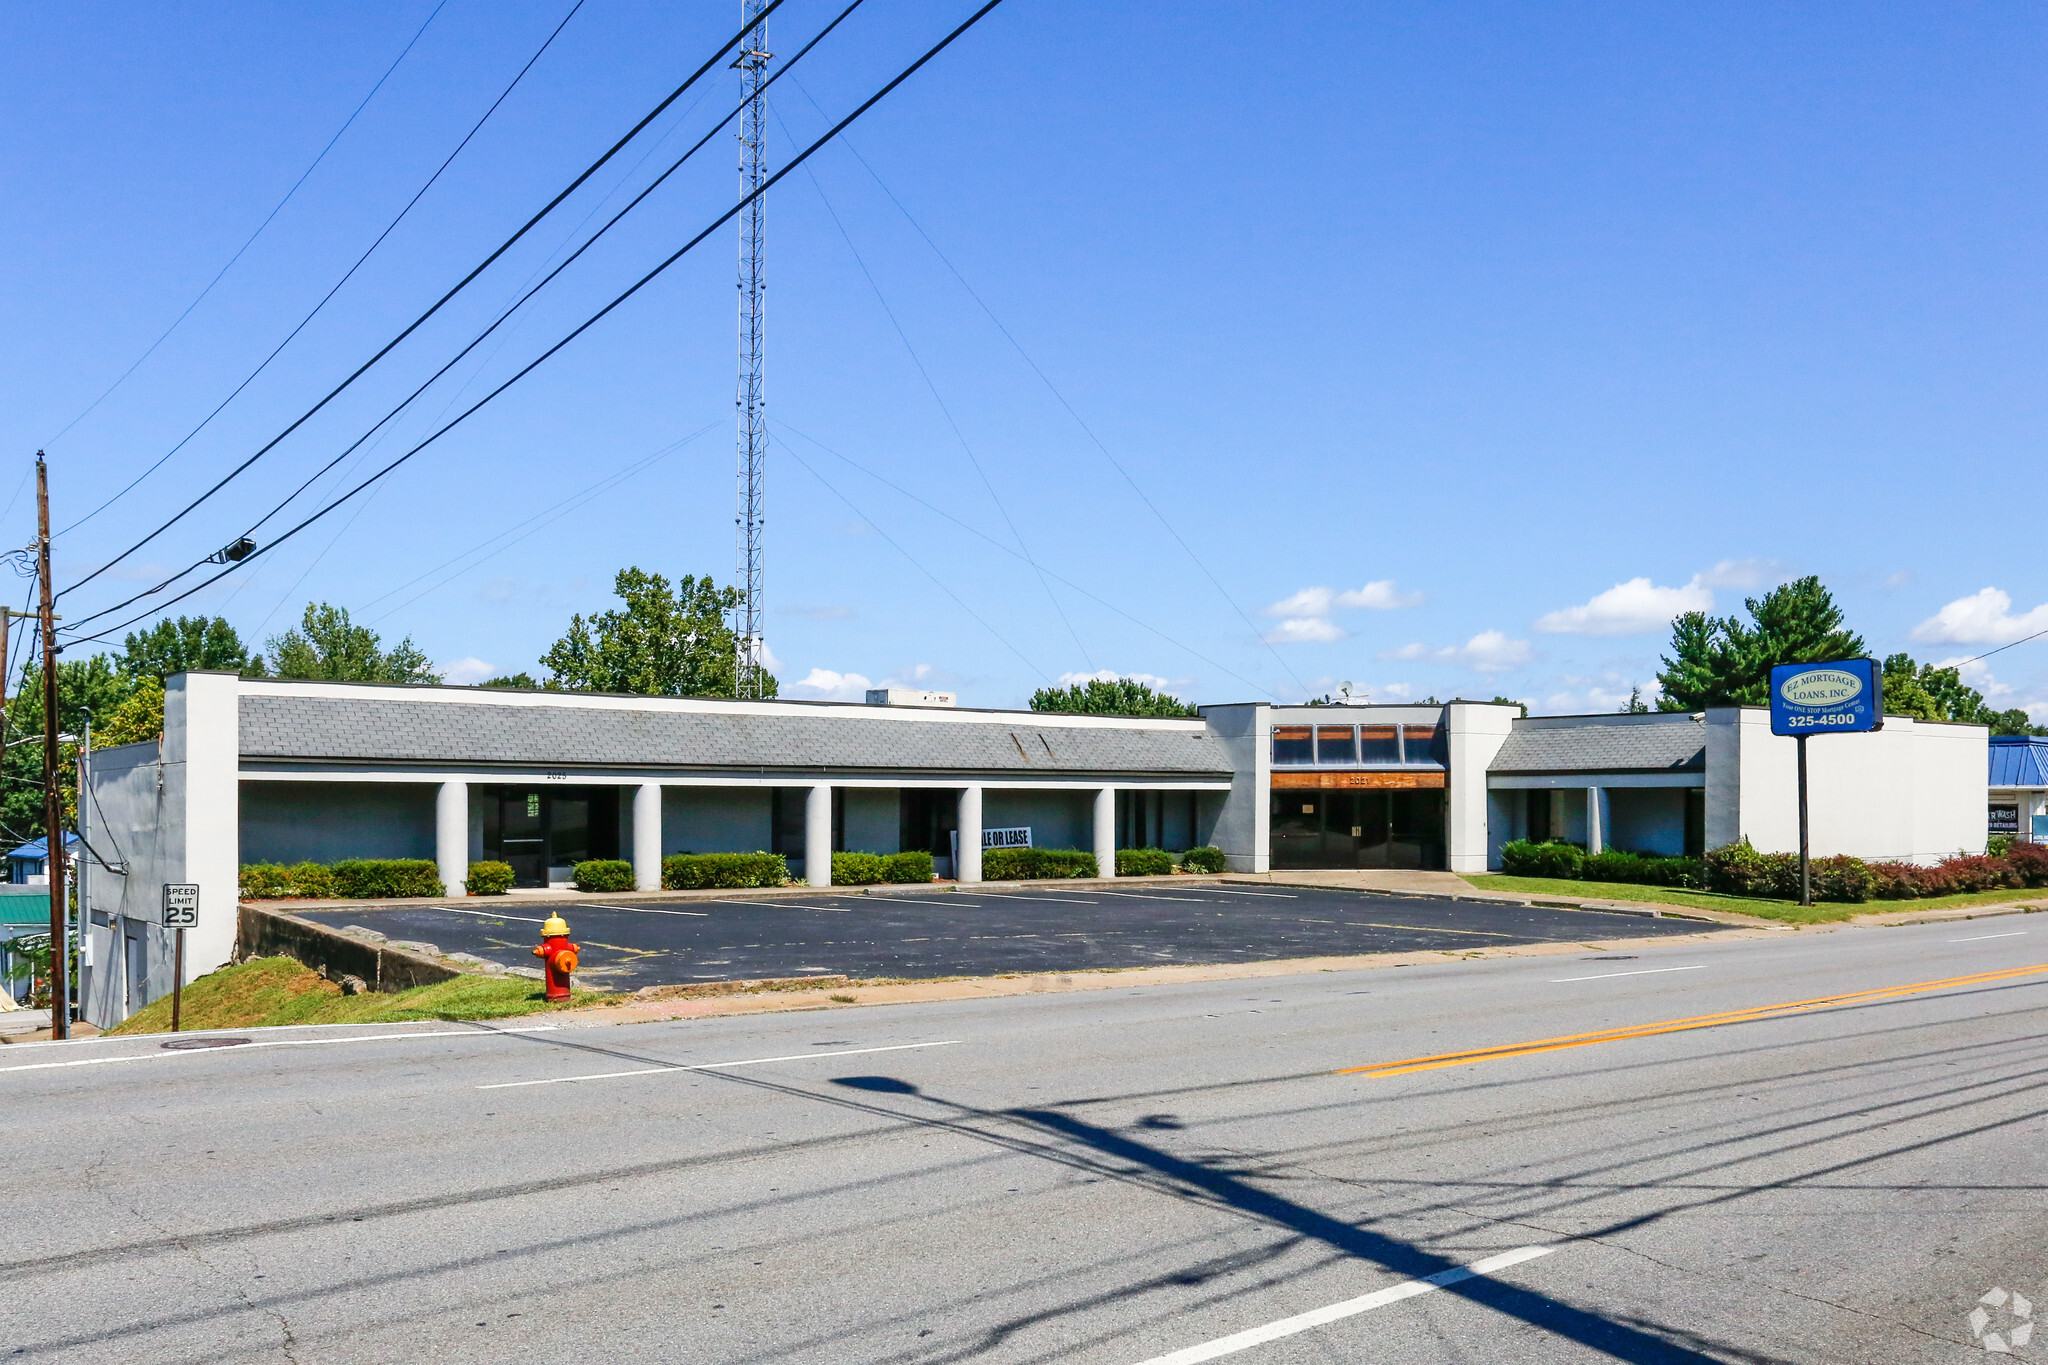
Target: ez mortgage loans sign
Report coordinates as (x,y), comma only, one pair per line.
(1834,698)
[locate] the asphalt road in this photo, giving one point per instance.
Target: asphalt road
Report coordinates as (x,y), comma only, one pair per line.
(940,933)
(1115,1177)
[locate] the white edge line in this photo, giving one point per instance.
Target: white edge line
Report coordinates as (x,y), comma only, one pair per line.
(1234,891)
(1365,1303)
(717,1066)
(2017,933)
(281,1042)
(1641,971)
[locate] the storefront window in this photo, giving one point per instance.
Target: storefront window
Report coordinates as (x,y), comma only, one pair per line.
(1336,744)
(1292,744)
(1419,742)
(1379,744)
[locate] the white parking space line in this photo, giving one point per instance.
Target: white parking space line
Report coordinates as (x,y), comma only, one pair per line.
(2017,933)
(488,914)
(284,1042)
(1233,891)
(1139,896)
(1642,971)
(651,910)
(1365,1303)
(716,1066)
(913,900)
(1069,898)
(836,909)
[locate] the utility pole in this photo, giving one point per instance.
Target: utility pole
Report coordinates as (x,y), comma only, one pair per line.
(753,408)
(53,795)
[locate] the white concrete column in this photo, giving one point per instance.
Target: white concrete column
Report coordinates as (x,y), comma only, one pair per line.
(451,835)
(647,837)
(969,869)
(1596,820)
(1105,831)
(818,836)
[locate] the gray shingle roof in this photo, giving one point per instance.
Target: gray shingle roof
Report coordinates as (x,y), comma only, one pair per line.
(404,730)
(1675,746)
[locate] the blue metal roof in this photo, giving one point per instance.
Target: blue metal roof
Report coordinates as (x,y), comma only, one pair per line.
(35,848)
(2019,761)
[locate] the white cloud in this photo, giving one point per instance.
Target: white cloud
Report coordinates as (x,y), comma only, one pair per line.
(1296,630)
(1742,573)
(1490,651)
(467,672)
(1984,618)
(1307,602)
(1632,608)
(1899,579)
(1379,595)
(822,684)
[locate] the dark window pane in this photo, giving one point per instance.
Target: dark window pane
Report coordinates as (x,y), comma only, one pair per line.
(1420,742)
(1291,744)
(1379,744)
(1336,744)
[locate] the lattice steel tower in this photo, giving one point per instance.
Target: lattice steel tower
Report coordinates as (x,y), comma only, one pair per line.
(753,410)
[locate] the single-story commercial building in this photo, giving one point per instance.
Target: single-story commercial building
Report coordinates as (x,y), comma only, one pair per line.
(2019,788)
(262,770)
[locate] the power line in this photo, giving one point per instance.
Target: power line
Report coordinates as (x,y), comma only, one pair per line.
(585,326)
(478,340)
(1061,399)
(417,322)
(983,535)
(346,277)
(2000,650)
(947,411)
(176,323)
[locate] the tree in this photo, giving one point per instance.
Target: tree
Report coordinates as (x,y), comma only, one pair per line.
(327,647)
(83,685)
(664,644)
(1926,692)
(1727,662)
(1106,697)
(135,720)
(179,646)
(1510,701)
(520,679)
(1635,705)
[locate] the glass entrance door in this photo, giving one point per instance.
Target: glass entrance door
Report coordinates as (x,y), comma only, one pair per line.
(522,836)
(1368,828)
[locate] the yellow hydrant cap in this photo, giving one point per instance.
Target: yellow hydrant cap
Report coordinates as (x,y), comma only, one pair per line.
(556,927)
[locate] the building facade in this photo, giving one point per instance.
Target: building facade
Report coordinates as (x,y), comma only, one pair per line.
(259,770)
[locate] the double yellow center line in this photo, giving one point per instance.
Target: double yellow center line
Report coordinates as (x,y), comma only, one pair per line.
(1614,1035)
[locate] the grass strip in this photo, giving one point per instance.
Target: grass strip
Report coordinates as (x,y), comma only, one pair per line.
(270,991)
(1788,912)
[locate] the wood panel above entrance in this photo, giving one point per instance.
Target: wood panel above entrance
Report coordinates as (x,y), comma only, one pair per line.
(1355,781)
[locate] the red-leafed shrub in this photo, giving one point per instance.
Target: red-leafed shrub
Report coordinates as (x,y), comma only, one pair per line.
(2031,862)
(1980,872)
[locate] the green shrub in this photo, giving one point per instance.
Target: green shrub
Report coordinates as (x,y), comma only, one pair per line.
(1842,878)
(489,879)
(1143,862)
(386,878)
(273,881)
(1614,865)
(604,874)
(915,866)
(1036,864)
(857,869)
(1520,858)
(722,871)
(1998,845)
(1204,858)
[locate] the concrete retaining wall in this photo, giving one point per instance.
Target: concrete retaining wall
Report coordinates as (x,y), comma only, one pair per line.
(272,933)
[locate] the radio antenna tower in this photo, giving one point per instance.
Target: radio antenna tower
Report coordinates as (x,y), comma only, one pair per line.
(753,415)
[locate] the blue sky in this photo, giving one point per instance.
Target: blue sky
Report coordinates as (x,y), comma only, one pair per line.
(1463,345)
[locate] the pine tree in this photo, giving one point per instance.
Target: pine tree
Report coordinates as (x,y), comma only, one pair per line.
(1727,662)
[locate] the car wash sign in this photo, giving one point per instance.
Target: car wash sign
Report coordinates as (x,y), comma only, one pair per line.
(1827,699)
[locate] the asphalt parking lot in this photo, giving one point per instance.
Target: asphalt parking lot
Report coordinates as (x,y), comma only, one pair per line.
(931,933)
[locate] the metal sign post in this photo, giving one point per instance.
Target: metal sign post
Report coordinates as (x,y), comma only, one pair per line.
(181,912)
(1833,698)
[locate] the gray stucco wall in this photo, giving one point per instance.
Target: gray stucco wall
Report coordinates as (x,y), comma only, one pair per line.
(1240,828)
(1647,819)
(1057,819)
(716,819)
(324,822)
(132,821)
(874,819)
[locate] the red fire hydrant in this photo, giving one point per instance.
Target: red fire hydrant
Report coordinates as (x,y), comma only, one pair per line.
(558,955)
